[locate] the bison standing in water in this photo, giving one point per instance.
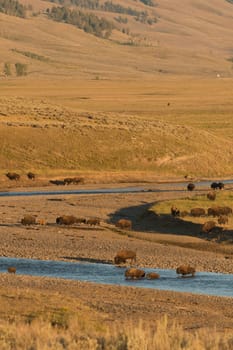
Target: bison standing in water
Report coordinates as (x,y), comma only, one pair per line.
(123,255)
(133,273)
(217,185)
(190,187)
(11,269)
(185,270)
(152,275)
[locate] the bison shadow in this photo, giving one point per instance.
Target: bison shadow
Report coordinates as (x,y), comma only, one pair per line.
(144,220)
(89,260)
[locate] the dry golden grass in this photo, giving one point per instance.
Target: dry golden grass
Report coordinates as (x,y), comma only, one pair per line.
(162,335)
(46,320)
(117,126)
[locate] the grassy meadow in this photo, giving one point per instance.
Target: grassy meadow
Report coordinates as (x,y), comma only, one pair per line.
(32,320)
(166,127)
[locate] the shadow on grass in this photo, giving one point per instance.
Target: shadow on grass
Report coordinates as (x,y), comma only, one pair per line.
(145,220)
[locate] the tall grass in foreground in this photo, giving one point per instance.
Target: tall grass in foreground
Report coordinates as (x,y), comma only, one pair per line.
(38,335)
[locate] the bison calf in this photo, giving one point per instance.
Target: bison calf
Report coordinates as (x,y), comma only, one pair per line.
(134,273)
(11,269)
(152,275)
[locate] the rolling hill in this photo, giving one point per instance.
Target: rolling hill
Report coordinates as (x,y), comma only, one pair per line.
(192,39)
(152,92)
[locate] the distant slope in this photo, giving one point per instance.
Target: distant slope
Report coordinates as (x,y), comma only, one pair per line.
(195,39)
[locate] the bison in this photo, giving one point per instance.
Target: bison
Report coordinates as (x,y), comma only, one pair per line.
(81,221)
(73,180)
(208,226)
(211,196)
(13,176)
(57,182)
(175,211)
(217,185)
(223,219)
(190,187)
(66,220)
(134,273)
(123,255)
(28,220)
(197,212)
(217,211)
(152,275)
(185,270)
(124,224)
(11,269)
(31,176)
(93,222)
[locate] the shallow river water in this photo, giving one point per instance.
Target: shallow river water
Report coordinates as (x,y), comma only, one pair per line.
(203,283)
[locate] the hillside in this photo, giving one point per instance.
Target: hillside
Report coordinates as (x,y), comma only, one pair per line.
(156,97)
(195,39)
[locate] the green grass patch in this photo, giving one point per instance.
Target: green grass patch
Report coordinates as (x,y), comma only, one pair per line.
(223,198)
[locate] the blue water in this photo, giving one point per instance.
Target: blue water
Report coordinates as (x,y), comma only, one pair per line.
(164,187)
(203,283)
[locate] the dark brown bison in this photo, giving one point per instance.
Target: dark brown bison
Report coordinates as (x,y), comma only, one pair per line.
(152,275)
(123,255)
(217,185)
(190,187)
(124,224)
(11,269)
(175,211)
(57,182)
(73,180)
(133,273)
(217,211)
(208,226)
(184,213)
(197,212)
(211,196)
(66,220)
(13,176)
(28,220)
(185,270)
(81,221)
(223,220)
(31,176)
(93,222)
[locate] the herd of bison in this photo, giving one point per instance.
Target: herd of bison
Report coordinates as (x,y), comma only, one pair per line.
(123,256)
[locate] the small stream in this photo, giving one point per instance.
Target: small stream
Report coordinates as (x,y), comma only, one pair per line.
(163,187)
(203,283)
